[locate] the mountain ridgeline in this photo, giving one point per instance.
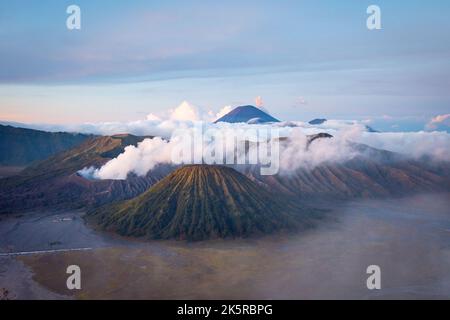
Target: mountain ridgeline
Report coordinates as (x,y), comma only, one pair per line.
(20,147)
(371,173)
(54,182)
(199,202)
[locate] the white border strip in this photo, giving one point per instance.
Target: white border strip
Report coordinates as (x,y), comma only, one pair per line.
(24,253)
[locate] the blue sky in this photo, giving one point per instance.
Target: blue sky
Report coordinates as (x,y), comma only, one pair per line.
(306,59)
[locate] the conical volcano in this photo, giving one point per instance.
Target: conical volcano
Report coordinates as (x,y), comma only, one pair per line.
(199,202)
(249,114)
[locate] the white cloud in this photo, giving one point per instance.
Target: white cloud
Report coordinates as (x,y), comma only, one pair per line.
(293,155)
(414,144)
(143,158)
(185,112)
(439,120)
(223,112)
(302,101)
(153,117)
(189,112)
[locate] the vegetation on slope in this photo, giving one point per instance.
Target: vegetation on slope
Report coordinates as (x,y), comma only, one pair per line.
(199,202)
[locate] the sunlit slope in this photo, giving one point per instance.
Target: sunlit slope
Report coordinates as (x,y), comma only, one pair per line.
(201,202)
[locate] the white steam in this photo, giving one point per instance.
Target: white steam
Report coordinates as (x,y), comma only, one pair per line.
(295,152)
(138,160)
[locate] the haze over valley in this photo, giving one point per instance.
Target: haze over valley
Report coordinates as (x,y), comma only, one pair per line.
(131,219)
(224,150)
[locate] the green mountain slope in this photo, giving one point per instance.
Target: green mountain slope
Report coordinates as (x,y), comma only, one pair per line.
(199,202)
(96,151)
(54,182)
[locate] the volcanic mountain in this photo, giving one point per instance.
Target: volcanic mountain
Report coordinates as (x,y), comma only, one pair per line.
(20,147)
(371,173)
(55,183)
(199,202)
(248,114)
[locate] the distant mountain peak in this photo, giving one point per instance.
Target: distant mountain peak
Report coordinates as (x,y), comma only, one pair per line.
(370,129)
(247,114)
(317,121)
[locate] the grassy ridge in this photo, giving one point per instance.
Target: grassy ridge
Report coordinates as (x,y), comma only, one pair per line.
(54,182)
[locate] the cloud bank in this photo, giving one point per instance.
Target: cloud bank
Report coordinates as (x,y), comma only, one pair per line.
(295,151)
(230,142)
